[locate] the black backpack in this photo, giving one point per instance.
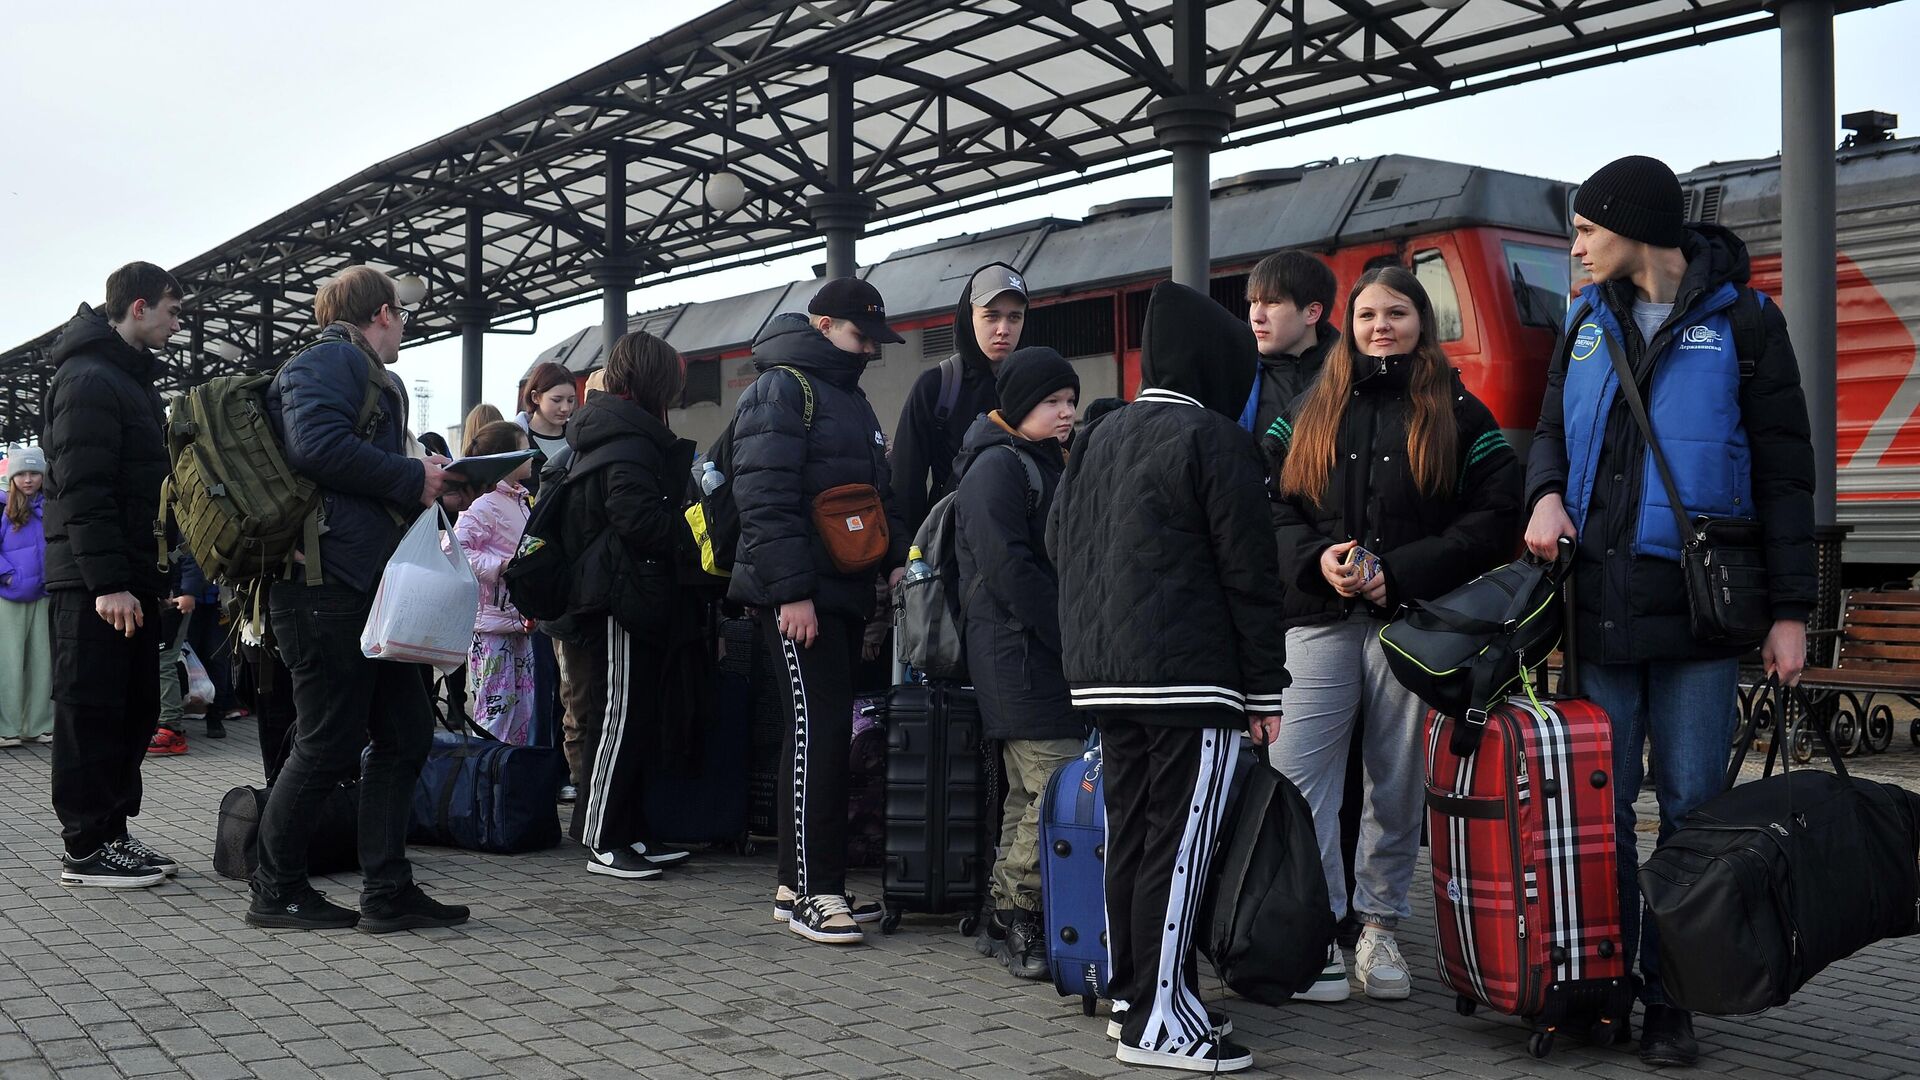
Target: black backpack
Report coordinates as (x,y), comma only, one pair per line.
(540,577)
(1269,922)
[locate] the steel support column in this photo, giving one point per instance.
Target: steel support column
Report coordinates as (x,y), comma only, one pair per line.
(472,311)
(1189,126)
(615,272)
(1807,245)
(840,213)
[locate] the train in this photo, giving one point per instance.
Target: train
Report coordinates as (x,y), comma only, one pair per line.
(1491,248)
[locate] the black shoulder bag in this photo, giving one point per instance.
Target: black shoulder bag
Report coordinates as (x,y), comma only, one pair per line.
(1723,559)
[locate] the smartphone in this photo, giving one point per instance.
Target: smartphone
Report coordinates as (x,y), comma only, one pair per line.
(1367,561)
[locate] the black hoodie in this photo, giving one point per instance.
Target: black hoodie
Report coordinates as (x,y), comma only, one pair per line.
(106,458)
(780,463)
(1632,610)
(1285,377)
(1163,537)
(924,447)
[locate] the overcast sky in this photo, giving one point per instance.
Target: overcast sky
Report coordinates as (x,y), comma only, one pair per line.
(135,130)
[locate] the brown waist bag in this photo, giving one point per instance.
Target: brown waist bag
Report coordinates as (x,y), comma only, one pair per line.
(853,525)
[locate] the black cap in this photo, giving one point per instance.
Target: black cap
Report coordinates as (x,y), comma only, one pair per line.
(859,303)
(1637,197)
(1031,376)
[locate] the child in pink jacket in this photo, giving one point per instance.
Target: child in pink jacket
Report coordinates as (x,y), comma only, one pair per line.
(500,665)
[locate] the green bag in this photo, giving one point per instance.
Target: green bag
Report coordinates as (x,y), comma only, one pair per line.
(241,509)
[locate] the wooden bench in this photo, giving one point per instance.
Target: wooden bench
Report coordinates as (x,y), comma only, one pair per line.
(1877,652)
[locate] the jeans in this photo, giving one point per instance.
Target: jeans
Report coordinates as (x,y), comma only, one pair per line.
(1685,711)
(343,702)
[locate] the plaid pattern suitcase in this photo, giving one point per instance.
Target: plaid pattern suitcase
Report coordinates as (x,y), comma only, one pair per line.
(1526,891)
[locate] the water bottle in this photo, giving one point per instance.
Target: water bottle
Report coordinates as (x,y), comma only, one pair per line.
(710,477)
(918,569)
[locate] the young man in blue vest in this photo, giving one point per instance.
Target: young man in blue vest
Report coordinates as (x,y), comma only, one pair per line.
(1672,299)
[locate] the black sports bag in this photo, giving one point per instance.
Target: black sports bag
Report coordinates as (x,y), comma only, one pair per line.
(1770,882)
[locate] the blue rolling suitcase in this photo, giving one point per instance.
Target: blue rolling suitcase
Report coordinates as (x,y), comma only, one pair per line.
(1073,887)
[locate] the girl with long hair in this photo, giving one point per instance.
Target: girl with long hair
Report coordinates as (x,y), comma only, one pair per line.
(500,670)
(1394,484)
(26,695)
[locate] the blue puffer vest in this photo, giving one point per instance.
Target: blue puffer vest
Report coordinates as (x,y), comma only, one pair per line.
(1694,406)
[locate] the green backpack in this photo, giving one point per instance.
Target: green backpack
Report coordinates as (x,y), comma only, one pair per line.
(241,509)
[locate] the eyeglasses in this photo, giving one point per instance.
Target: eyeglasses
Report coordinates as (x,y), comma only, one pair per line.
(405,316)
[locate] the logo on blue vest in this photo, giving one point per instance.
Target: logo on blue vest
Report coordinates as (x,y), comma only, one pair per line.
(1586,342)
(1700,337)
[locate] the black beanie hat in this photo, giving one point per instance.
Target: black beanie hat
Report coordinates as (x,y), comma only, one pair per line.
(1637,197)
(1031,376)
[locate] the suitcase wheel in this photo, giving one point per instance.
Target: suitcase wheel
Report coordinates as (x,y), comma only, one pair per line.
(1464,1005)
(1540,1043)
(969,925)
(890,920)
(1086,1004)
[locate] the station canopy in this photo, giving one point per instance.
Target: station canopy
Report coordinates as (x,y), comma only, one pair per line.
(956,104)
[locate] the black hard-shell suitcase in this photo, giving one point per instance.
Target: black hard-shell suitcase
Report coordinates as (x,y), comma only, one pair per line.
(702,796)
(939,838)
(747,659)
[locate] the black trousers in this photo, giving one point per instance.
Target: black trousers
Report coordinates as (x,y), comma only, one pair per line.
(343,702)
(610,810)
(812,813)
(1166,791)
(106,705)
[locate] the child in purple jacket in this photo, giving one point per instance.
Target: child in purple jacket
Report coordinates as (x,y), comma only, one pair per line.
(26,701)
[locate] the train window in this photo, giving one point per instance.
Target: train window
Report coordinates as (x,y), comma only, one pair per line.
(1430,267)
(1542,277)
(703,383)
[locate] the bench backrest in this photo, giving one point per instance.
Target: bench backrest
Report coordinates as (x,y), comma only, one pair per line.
(1880,632)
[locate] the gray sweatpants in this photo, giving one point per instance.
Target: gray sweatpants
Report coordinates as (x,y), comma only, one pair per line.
(1339,674)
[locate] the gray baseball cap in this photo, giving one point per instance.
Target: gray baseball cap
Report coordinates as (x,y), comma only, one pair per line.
(990,281)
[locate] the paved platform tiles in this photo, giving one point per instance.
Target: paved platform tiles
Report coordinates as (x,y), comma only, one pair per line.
(566,974)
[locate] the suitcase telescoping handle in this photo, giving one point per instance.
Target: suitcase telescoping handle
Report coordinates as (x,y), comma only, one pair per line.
(1569,625)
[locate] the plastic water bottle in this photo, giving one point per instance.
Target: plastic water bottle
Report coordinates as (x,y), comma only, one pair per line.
(710,477)
(918,569)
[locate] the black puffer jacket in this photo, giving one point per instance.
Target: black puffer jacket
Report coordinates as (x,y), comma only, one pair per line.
(1629,609)
(1163,536)
(369,487)
(779,465)
(1428,546)
(637,495)
(924,449)
(1285,377)
(1013,593)
(106,459)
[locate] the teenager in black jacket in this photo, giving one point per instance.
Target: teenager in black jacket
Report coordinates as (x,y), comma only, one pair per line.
(812,613)
(1171,633)
(1388,454)
(1013,625)
(637,495)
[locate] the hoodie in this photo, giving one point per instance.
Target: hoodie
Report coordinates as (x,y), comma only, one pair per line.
(923,446)
(1285,377)
(1634,609)
(106,458)
(1163,538)
(781,463)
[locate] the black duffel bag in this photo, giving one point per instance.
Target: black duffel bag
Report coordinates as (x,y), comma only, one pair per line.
(1467,650)
(1269,922)
(1770,882)
(333,842)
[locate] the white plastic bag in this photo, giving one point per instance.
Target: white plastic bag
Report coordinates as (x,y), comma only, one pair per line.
(199,683)
(423,612)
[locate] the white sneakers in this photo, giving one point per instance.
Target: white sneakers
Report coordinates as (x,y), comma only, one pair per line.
(1383,973)
(1332,985)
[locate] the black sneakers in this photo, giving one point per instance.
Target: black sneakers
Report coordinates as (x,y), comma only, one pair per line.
(991,940)
(1027,946)
(1666,1037)
(216,727)
(621,863)
(109,868)
(411,909)
(302,909)
(140,852)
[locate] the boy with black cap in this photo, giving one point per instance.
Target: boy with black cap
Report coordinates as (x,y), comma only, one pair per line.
(1171,631)
(1006,477)
(1669,302)
(947,399)
(802,429)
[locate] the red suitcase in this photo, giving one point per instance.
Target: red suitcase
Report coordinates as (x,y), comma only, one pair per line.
(1525,889)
